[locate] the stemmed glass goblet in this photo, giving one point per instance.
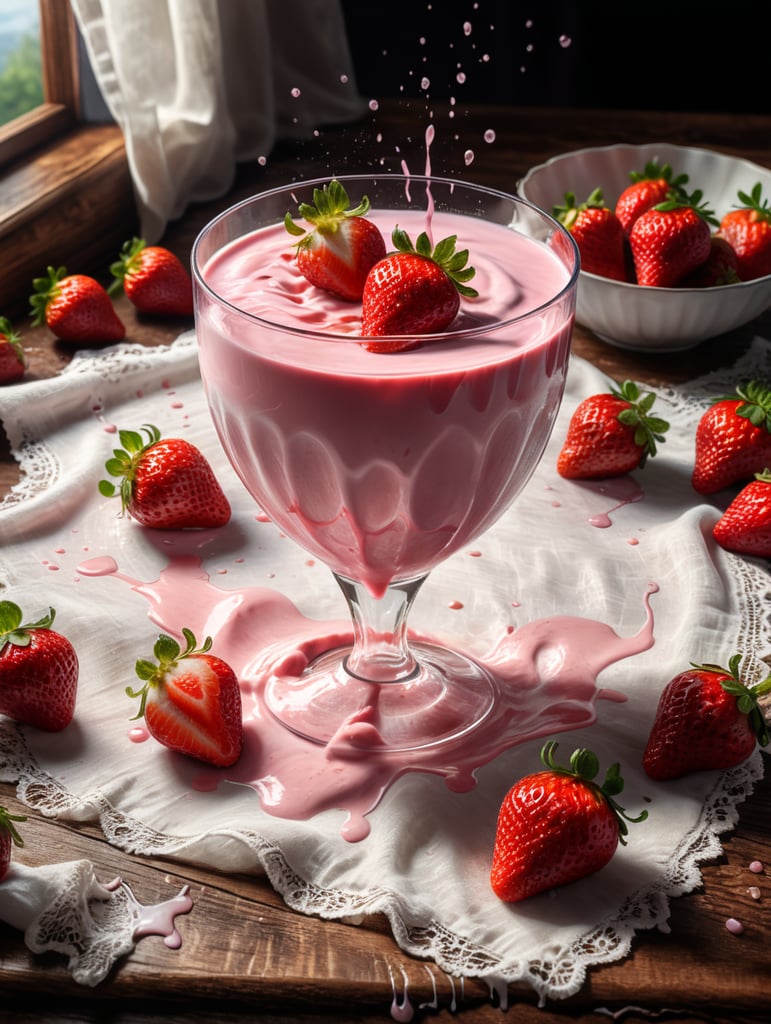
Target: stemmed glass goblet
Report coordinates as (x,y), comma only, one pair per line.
(383,464)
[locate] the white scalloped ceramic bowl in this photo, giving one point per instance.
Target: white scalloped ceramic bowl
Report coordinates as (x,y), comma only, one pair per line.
(644,318)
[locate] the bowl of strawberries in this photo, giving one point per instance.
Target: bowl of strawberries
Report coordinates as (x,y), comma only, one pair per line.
(675,241)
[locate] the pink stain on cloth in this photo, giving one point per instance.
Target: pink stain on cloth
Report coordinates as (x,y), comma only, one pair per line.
(63,908)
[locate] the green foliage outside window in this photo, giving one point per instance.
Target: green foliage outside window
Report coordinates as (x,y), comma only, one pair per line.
(21,79)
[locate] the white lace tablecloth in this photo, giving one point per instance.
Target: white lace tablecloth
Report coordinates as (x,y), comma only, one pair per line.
(426,861)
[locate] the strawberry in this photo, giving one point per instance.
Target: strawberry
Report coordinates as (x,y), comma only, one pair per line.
(611,434)
(13,361)
(556,826)
(748,230)
(38,671)
(706,719)
(719,268)
(598,233)
(165,483)
(154,279)
(75,307)
(733,439)
(647,188)
(342,246)
(8,838)
(745,526)
(415,290)
(191,701)
(671,239)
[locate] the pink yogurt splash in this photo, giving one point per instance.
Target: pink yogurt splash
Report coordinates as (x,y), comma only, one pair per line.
(158,919)
(619,491)
(545,675)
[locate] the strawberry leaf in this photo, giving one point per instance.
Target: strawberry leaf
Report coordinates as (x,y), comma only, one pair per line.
(648,430)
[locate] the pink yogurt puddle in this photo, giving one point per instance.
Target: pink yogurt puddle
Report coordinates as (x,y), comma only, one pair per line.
(159,918)
(545,674)
(620,491)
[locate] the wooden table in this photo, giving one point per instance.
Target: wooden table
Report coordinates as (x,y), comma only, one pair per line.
(245,956)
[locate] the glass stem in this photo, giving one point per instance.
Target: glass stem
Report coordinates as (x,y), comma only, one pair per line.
(380,651)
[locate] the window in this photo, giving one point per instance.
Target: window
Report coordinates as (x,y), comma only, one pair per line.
(58,84)
(66,196)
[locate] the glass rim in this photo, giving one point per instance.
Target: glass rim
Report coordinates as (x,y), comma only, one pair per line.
(407,179)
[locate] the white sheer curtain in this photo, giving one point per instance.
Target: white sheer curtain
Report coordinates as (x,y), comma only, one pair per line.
(197,85)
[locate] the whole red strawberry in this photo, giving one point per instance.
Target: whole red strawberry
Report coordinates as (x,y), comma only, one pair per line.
(153,278)
(706,719)
(75,307)
(342,246)
(733,439)
(611,434)
(38,671)
(745,526)
(748,230)
(165,483)
(671,240)
(557,826)
(191,701)
(598,233)
(9,837)
(13,361)
(720,267)
(415,290)
(648,188)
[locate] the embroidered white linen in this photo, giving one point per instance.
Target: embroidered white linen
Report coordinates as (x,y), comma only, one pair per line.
(426,862)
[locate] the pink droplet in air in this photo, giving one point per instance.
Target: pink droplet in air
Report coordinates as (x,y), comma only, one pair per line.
(489,135)
(468,157)
(565,41)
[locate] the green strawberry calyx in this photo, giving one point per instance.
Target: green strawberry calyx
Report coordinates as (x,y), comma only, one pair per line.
(585,766)
(16,632)
(678,199)
(569,212)
(654,171)
(331,207)
(12,336)
(746,696)
(7,825)
(45,290)
(125,460)
(754,201)
(168,653)
(755,403)
(443,254)
(128,262)
(648,430)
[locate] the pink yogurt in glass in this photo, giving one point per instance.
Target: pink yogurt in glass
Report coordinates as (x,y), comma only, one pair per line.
(384,464)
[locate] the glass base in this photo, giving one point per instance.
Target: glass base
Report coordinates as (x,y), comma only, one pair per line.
(447,697)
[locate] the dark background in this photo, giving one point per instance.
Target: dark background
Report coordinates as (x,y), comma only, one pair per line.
(680,56)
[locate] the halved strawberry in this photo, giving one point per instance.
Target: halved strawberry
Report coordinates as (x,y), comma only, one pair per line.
(415,290)
(342,246)
(191,701)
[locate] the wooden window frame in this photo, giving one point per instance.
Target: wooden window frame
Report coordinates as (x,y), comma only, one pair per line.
(66,197)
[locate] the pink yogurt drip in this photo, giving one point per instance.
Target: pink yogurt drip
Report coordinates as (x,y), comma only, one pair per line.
(546,673)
